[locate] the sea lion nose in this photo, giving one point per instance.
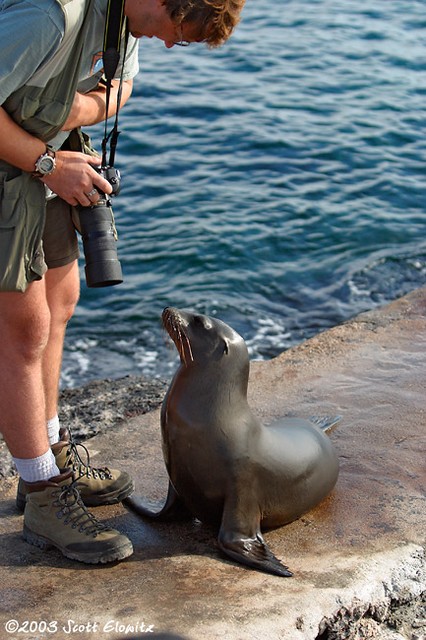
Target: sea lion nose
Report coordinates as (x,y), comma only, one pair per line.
(169,314)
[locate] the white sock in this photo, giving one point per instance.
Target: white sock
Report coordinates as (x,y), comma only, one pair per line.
(53,429)
(35,469)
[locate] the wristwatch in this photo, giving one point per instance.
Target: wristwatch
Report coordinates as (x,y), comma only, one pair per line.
(45,164)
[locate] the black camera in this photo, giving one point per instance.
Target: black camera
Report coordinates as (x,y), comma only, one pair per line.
(99,236)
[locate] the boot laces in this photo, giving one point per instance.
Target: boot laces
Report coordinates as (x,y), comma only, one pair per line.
(82,467)
(74,512)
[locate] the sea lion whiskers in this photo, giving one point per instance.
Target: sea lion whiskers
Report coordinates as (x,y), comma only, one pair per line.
(184,341)
(176,331)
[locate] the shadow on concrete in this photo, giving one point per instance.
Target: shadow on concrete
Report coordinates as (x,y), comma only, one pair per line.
(151,540)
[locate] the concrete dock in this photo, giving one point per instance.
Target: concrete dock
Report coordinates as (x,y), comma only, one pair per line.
(358,559)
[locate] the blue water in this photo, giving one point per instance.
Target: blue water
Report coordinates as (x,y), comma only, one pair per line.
(278,183)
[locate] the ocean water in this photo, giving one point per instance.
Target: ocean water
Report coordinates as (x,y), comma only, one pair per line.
(277,183)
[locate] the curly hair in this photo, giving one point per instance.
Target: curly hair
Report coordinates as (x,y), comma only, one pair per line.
(216,19)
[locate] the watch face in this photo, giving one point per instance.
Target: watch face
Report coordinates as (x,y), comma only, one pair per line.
(46,164)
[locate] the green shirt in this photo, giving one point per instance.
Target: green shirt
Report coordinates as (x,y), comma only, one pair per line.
(30,37)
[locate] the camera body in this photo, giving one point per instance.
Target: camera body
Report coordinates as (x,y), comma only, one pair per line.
(99,236)
(114,178)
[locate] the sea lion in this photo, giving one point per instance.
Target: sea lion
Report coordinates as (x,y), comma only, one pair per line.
(224,466)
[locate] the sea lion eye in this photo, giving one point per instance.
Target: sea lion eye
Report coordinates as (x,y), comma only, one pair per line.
(199,320)
(202,321)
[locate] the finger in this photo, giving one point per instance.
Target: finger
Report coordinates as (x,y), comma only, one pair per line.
(85,201)
(96,160)
(101,184)
(98,181)
(94,199)
(93,195)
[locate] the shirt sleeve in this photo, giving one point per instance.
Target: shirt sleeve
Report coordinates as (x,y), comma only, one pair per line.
(131,67)
(29,35)
(131,64)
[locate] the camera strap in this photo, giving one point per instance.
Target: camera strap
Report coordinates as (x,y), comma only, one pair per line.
(114,22)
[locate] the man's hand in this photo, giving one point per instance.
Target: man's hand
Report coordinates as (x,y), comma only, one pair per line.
(75,177)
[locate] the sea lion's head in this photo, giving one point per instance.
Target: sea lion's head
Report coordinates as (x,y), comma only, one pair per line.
(201,339)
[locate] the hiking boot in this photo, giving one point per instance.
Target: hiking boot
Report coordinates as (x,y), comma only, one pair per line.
(56,516)
(97,486)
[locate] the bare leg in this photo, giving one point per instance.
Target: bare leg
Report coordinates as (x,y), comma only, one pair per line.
(28,334)
(24,331)
(62,292)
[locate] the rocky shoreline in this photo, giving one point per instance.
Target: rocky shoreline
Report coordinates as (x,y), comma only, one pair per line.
(98,407)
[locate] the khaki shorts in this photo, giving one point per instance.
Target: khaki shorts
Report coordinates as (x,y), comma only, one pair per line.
(22,213)
(34,235)
(60,243)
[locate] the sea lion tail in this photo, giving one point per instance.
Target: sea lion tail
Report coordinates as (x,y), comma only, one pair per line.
(172,509)
(325,423)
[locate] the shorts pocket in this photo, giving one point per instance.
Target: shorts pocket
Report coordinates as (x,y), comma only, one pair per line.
(10,189)
(21,226)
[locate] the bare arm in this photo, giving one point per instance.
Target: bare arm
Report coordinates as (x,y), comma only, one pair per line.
(89,108)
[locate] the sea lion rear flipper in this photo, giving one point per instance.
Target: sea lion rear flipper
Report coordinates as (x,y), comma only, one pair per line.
(241,539)
(172,509)
(325,423)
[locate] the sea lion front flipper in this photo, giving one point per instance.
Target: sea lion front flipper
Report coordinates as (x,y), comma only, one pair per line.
(254,553)
(243,542)
(172,509)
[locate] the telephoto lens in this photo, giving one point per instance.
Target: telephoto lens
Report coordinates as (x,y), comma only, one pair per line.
(99,236)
